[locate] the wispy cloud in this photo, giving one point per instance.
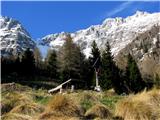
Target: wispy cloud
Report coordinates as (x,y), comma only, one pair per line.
(118,9)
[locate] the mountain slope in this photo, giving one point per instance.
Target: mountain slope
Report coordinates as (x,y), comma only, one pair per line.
(14,39)
(145,48)
(138,34)
(118,31)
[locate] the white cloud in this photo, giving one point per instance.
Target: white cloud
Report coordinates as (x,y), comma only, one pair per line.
(118,9)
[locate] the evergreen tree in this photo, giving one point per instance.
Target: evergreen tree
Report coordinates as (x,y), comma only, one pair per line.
(18,66)
(52,64)
(94,58)
(10,66)
(110,73)
(3,67)
(28,63)
(95,55)
(134,79)
(107,75)
(85,70)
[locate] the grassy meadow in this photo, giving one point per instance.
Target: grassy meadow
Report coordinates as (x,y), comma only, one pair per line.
(24,103)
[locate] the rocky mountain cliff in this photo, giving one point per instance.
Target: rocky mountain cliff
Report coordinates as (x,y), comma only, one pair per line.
(14,39)
(118,31)
(145,48)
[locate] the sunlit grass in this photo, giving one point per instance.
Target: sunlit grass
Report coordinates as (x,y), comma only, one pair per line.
(110,101)
(81,104)
(42,100)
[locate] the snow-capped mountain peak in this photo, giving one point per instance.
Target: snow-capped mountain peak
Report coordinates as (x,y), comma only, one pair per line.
(14,39)
(118,31)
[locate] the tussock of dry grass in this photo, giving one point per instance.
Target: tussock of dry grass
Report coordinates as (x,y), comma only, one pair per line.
(18,97)
(9,87)
(60,106)
(15,116)
(93,96)
(98,111)
(143,106)
(19,104)
(56,116)
(11,100)
(85,95)
(108,93)
(28,109)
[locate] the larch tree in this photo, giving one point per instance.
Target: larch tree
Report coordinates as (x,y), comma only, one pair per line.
(69,60)
(37,57)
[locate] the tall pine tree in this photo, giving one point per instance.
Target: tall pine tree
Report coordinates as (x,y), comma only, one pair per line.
(95,55)
(107,75)
(17,65)
(94,63)
(110,73)
(28,63)
(134,79)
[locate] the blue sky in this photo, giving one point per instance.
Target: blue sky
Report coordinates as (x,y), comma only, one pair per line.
(43,18)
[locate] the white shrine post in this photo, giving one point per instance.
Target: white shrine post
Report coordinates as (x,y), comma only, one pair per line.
(96,78)
(61,90)
(72,88)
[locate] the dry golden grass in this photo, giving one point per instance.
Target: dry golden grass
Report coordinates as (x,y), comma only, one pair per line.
(27,105)
(28,109)
(11,100)
(19,104)
(90,95)
(79,96)
(64,105)
(17,97)
(109,92)
(55,116)
(15,116)
(9,87)
(142,106)
(98,111)
(61,107)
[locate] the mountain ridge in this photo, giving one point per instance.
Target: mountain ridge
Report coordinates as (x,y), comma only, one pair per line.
(112,30)
(14,39)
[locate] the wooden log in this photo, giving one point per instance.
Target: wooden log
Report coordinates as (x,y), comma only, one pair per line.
(58,87)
